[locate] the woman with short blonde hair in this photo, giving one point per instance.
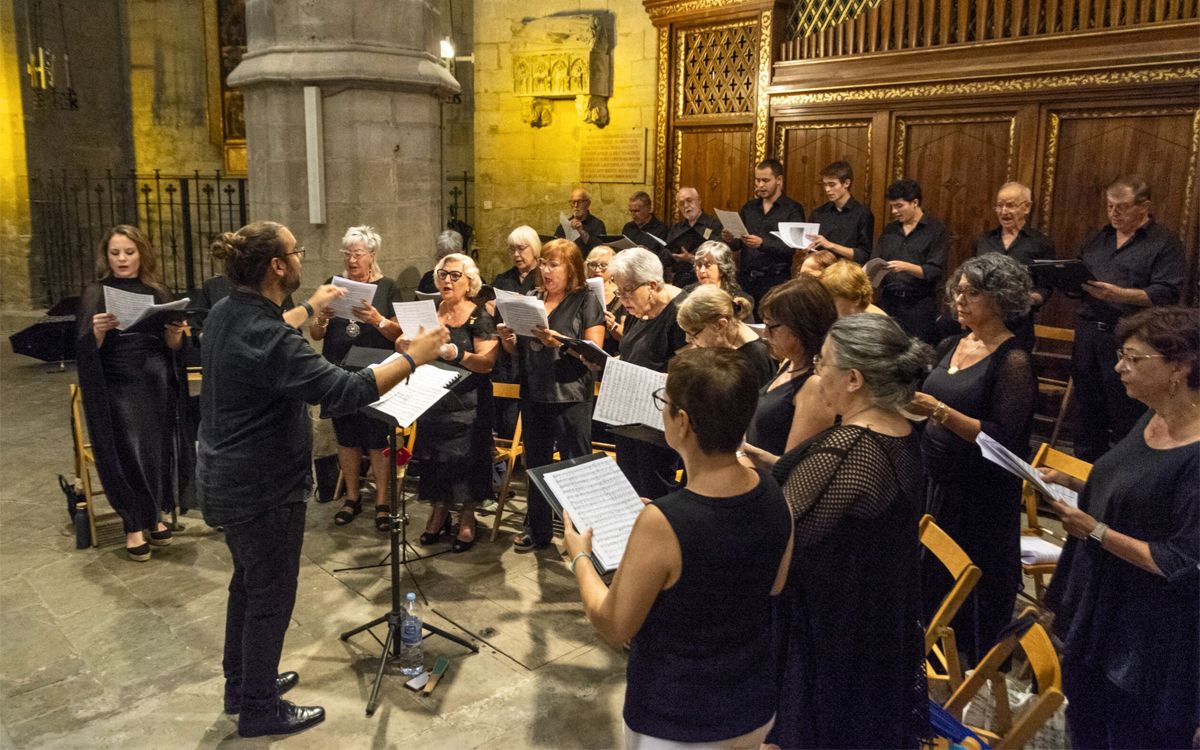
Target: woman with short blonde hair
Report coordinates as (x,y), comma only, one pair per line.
(851,289)
(710,317)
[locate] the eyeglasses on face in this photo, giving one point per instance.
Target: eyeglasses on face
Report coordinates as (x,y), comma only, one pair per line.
(356,254)
(579,201)
(1118,209)
(628,291)
(298,251)
(969,292)
(1010,205)
(595,265)
(443,274)
(1132,358)
(703,263)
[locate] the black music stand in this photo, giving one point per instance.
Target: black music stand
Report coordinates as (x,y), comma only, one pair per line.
(393,618)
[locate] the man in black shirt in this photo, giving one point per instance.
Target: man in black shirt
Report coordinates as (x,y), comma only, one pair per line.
(847,226)
(692,230)
(765,260)
(1022,242)
(1137,263)
(915,246)
(590,228)
(254,461)
(643,226)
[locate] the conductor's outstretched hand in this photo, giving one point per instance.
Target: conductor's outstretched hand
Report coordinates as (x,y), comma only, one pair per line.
(427,345)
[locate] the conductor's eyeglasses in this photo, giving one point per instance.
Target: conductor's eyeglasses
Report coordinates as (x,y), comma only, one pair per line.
(443,274)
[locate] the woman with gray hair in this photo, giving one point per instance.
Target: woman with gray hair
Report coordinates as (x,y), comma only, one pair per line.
(449,241)
(356,433)
(856,492)
(983,382)
(714,265)
(652,336)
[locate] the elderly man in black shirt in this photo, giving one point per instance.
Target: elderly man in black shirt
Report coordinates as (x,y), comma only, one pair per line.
(643,227)
(693,229)
(254,472)
(1013,237)
(847,226)
(915,246)
(1137,263)
(765,260)
(591,229)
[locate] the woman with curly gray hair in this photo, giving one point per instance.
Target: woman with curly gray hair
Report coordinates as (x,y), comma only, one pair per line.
(714,265)
(982,382)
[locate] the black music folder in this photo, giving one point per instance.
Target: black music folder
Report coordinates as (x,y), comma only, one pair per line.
(585,349)
(1068,276)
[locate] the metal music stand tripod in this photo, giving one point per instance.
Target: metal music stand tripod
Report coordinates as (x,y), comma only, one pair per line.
(393,618)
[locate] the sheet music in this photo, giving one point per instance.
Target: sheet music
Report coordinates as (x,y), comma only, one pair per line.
(505,294)
(413,316)
(570,232)
(357,293)
(1006,459)
(1035,549)
(732,222)
(414,396)
(625,395)
(622,244)
(131,308)
(596,284)
(655,237)
(598,496)
(522,313)
(795,234)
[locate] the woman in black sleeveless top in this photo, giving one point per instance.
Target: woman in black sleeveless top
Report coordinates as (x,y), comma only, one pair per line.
(797,315)
(715,552)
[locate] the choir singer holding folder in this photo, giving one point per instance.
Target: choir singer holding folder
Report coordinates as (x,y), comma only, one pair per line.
(714,552)
(254,468)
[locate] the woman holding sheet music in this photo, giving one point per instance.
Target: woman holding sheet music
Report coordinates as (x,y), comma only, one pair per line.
(556,387)
(693,593)
(983,381)
(134,392)
(356,433)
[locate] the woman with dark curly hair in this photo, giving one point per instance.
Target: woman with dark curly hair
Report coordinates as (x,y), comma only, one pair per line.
(982,382)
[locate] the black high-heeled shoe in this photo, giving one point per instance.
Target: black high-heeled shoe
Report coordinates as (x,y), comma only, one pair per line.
(432,537)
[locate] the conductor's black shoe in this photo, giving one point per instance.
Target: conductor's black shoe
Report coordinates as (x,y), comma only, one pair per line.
(283,683)
(284,718)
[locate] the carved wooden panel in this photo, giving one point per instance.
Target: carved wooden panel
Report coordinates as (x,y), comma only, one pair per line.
(717,68)
(806,147)
(960,161)
(717,162)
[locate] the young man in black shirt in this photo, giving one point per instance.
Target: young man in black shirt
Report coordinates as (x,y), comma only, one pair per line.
(1137,263)
(765,260)
(915,246)
(847,226)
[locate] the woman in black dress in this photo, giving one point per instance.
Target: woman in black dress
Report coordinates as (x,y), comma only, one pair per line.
(711,317)
(850,615)
(652,336)
(375,328)
(598,261)
(982,382)
(556,386)
(797,314)
(134,393)
(1127,592)
(454,438)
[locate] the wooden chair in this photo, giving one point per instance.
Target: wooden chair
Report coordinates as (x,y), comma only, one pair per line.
(85,460)
(1034,535)
(1043,662)
(407,435)
(941,648)
(507,451)
(1048,352)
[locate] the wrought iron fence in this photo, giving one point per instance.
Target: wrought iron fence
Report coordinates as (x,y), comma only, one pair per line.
(180,214)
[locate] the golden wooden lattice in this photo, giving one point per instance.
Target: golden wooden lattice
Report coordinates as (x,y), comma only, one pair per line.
(810,16)
(719,69)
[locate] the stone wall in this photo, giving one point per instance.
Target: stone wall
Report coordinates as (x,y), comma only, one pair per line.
(14,175)
(526,174)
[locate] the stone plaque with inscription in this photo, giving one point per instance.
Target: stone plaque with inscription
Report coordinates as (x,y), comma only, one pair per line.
(613,156)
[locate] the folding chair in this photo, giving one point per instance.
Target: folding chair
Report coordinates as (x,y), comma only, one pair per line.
(1047,674)
(109,523)
(407,435)
(507,451)
(1040,547)
(1048,350)
(941,648)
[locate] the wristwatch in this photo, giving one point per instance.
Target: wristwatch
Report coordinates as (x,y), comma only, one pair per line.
(1097,533)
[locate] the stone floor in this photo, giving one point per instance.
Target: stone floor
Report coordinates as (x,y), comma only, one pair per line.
(97,651)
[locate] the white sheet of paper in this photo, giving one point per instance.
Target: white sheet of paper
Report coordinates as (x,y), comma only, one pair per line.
(996,453)
(413,316)
(522,314)
(731,221)
(414,396)
(876,269)
(596,285)
(795,234)
(656,238)
(570,232)
(622,244)
(598,496)
(357,293)
(131,307)
(626,395)
(1035,549)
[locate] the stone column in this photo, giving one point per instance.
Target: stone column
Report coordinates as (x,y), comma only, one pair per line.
(381,95)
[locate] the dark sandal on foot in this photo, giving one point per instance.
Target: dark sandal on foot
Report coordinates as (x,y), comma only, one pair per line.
(383,523)
(349,510)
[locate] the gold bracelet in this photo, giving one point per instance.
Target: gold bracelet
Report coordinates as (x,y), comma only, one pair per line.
(940,414)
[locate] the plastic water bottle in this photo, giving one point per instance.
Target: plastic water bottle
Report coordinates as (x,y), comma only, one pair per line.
(412,656)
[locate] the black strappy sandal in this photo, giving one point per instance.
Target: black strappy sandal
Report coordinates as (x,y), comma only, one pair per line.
(349,510)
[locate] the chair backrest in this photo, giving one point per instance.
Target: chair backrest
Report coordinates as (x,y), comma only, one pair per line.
(958,563)
(506,390)
(77,421)
(1051,459)
(1053,333)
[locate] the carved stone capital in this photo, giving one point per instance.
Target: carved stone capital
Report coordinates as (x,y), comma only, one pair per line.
(563,57)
